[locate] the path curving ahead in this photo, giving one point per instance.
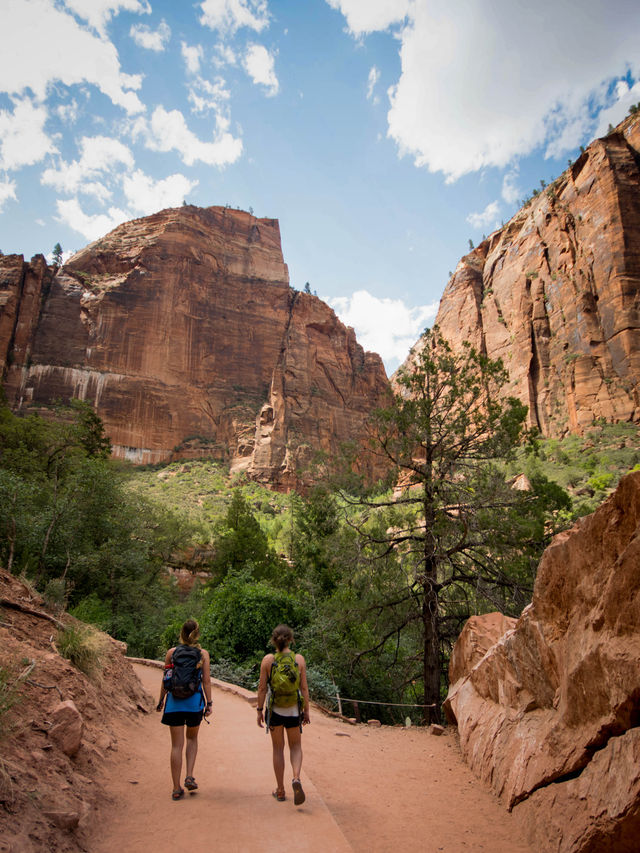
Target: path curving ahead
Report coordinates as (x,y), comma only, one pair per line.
(369,790)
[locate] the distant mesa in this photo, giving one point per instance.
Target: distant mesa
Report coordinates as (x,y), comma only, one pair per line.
(182,331)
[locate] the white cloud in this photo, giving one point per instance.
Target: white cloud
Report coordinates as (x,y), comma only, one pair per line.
(625,98)
(374,76)
(147,195)
(60,50)
(90,226)
(465,99)
(7,191)
(98,13)
(168,131)
(205,95)
(149,39)
(487,219)
(511,192)
(386,326)
(224,55)
(259,65)
(100,157)
(23,140)
(367,16)
(230,15)
(192,57)
(68,113)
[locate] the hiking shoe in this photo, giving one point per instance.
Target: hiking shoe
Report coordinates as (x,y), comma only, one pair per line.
(178,794)
(298,793)
(190,783)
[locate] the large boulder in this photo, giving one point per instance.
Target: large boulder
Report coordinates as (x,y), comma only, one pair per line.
(549,715)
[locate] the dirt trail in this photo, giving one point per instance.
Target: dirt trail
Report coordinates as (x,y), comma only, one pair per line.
(383,789)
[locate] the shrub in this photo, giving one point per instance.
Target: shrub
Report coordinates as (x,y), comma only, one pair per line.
(8,697)
(83,647)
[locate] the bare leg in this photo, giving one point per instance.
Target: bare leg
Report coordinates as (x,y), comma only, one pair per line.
(192,748)
(277,743)
(294,737)
(177,743)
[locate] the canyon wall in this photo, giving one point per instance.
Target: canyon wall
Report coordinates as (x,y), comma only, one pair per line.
(548,706)
(182,331)
(555,293)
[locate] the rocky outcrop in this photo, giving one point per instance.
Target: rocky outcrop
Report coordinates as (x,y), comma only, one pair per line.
(181,329)
(58,725)
(555,293)
(549,716)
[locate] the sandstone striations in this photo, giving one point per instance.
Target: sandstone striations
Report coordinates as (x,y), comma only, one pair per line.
(550,715)
(182,330)
(555,293)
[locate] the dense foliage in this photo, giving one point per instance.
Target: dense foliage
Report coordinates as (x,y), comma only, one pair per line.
(354,576)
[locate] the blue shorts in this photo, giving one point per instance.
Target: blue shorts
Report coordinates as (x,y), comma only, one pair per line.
(191,719)
(288,722)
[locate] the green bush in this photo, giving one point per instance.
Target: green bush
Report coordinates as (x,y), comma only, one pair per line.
(83,647)
(8,698)
(241,615)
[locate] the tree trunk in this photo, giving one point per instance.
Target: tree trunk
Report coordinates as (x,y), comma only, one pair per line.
(431,657)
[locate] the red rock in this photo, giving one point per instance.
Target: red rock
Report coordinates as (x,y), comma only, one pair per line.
(555,292)
(549,715)
(68,726)
(64,820)
(181,329)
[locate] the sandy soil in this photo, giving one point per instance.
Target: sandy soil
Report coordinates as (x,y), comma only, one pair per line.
(383,789)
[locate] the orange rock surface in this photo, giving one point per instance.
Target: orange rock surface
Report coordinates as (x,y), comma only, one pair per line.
(555,293)
(182,330)
(550,715)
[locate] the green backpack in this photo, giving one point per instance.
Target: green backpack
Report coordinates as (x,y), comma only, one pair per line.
(284,680)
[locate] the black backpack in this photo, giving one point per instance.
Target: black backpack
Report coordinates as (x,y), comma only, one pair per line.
(185,677)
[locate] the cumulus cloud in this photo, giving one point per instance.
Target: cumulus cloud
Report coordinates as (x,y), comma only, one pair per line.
(374,76)
(386,326)
(147,195)
(7,191)
(368,16)
(168,131)
(100,157)
(511,192)
(230,15)
(91,226)
(465,100)
(149,39)
(23,140)
(205,95)
(192,56)
(86,58)
(98,13)
(625,97)
(259,65)
(487,219)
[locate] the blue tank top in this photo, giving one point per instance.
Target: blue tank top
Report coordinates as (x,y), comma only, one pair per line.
(192,703)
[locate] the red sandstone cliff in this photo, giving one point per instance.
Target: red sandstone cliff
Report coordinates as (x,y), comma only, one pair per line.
(182,330)
(548,706)
(555,293)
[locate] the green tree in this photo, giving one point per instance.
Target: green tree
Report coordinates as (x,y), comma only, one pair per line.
(242,543)
(57,255)
(445,538)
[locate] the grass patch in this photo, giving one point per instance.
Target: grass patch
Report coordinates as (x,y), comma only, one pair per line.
(8,697)
(83,647)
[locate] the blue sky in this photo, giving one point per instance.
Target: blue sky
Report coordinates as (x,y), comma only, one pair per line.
(383,134)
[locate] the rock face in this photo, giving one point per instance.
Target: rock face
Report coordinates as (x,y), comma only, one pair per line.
(555,293)
(550,715)
(182,330)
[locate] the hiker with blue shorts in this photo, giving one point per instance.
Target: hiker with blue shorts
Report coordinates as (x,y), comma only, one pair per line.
(283,685)
(186,684)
